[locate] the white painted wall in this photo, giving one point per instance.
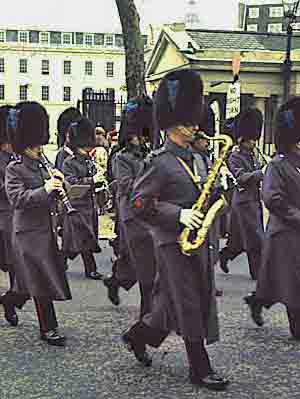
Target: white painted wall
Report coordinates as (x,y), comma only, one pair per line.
(56,80)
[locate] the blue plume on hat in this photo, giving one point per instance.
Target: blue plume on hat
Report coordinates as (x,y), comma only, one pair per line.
(289,118)
(131,106)
(12,119)
(172,91)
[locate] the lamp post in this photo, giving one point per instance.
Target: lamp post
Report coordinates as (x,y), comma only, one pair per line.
(290,8)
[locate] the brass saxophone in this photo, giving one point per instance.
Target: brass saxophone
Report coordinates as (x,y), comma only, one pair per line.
(188,246)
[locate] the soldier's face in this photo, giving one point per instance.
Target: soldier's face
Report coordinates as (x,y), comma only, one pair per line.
(134,140)
(249,144)
(201,144)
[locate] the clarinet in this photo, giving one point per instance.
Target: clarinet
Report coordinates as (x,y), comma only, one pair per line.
(62,193)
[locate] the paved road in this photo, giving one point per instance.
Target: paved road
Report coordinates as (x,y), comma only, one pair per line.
(263,362)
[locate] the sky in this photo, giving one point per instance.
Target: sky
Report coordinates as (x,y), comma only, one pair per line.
(102,15)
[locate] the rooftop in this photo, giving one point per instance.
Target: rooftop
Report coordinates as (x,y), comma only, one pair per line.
(239,40)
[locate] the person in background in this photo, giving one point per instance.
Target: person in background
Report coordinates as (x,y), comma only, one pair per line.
(200,148)
(64,121)
(80,169)
(246,206)
(279,277)
(135,241)
(10,300)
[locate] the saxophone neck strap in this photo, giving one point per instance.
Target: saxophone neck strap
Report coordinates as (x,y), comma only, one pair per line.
(193,175)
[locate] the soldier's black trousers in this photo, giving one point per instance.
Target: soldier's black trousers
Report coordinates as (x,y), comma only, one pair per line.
(89,262)
(46,314)
(294,321)
(197,355)
(254,260)
(12,298)
(198,358)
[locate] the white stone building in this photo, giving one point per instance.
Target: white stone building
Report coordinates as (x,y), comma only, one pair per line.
(54,67)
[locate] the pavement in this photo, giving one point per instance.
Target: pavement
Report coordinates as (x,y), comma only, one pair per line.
(261,362)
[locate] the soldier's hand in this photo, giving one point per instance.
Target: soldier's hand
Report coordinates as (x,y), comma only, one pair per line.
(58,175)
(191,218)
(98,178)
(53,184)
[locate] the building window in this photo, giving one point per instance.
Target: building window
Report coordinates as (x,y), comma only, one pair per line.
(67,93)
(119,40)
(110,69)
(275,28)
(2,92)
(23,37)
(252,28)
(45,93)
(67,67)
(253,12)
(296,26)
(67,38)
(23,92)
(44,37)
(45,67)
(2,65)
(2,36)
(23,66)
(109,40)
(98,39)
(276,12)
(88,67)
(89,40)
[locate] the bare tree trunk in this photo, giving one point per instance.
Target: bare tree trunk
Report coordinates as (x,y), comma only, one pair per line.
(134,47)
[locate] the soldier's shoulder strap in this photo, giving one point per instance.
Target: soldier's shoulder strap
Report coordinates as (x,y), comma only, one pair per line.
(155,154)
(278,158)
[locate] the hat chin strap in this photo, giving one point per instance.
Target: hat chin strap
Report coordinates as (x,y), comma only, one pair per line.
(183,130)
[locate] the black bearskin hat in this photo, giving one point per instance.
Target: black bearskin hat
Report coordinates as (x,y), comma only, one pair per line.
(249,124)
(287,125)
(137,119)
(4,135)
(179,99)
(64,121)
(28,125)
(82,133)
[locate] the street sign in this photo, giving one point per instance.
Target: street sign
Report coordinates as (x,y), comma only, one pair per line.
(233,100)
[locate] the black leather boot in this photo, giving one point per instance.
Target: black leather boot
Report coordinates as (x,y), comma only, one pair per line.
(112,286)
(212,381)
(9,310)
(255,309)
(224,261)
(201,372)
(133,340)
(53,338)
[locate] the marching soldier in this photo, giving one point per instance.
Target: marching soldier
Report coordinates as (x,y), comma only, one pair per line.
(246,207)
(80,169)
(164,195)
(64,121)
(10,300)
(135,236)
(32,195)
(279,278)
